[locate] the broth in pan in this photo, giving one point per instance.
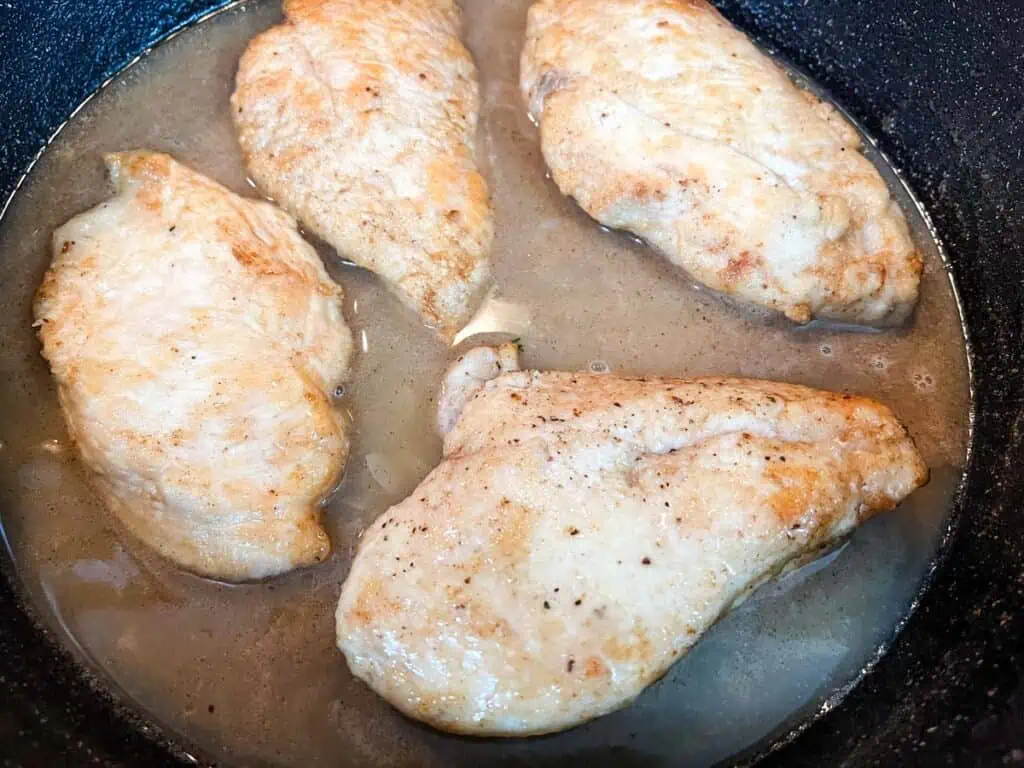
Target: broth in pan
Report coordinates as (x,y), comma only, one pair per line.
(249,674)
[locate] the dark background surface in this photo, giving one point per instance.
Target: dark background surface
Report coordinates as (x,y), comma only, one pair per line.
(940,83)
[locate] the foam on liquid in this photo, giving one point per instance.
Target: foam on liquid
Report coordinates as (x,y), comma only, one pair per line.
(249,674)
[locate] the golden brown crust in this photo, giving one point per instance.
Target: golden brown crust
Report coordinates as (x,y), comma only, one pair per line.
(583,530)
(194,337)
(660,118)
(360,117)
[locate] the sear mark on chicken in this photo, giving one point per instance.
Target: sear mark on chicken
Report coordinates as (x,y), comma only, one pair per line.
(582,532)
(660,118)
(359,117)
(195,339)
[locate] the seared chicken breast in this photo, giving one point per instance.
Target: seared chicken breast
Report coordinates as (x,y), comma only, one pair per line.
(583,531)
(662,119)
(196,340)
(465,377)
(359,117)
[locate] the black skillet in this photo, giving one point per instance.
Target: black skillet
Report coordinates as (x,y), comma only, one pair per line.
(940,83)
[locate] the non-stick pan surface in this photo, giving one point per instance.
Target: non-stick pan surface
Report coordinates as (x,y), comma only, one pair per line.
(940,83)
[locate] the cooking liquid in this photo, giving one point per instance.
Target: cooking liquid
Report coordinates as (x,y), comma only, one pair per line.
(249,674)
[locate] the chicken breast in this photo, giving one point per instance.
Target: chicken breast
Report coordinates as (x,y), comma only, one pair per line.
(660,118)
(196,340)
(582,531)
(465,377)
(359,117)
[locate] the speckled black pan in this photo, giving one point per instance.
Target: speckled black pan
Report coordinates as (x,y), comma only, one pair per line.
(940,83)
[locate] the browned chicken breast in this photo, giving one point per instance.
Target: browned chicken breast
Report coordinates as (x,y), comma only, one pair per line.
(660,118)
(195,339)
(583,531)
(359,117)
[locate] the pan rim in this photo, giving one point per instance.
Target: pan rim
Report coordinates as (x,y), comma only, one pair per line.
(179,746)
